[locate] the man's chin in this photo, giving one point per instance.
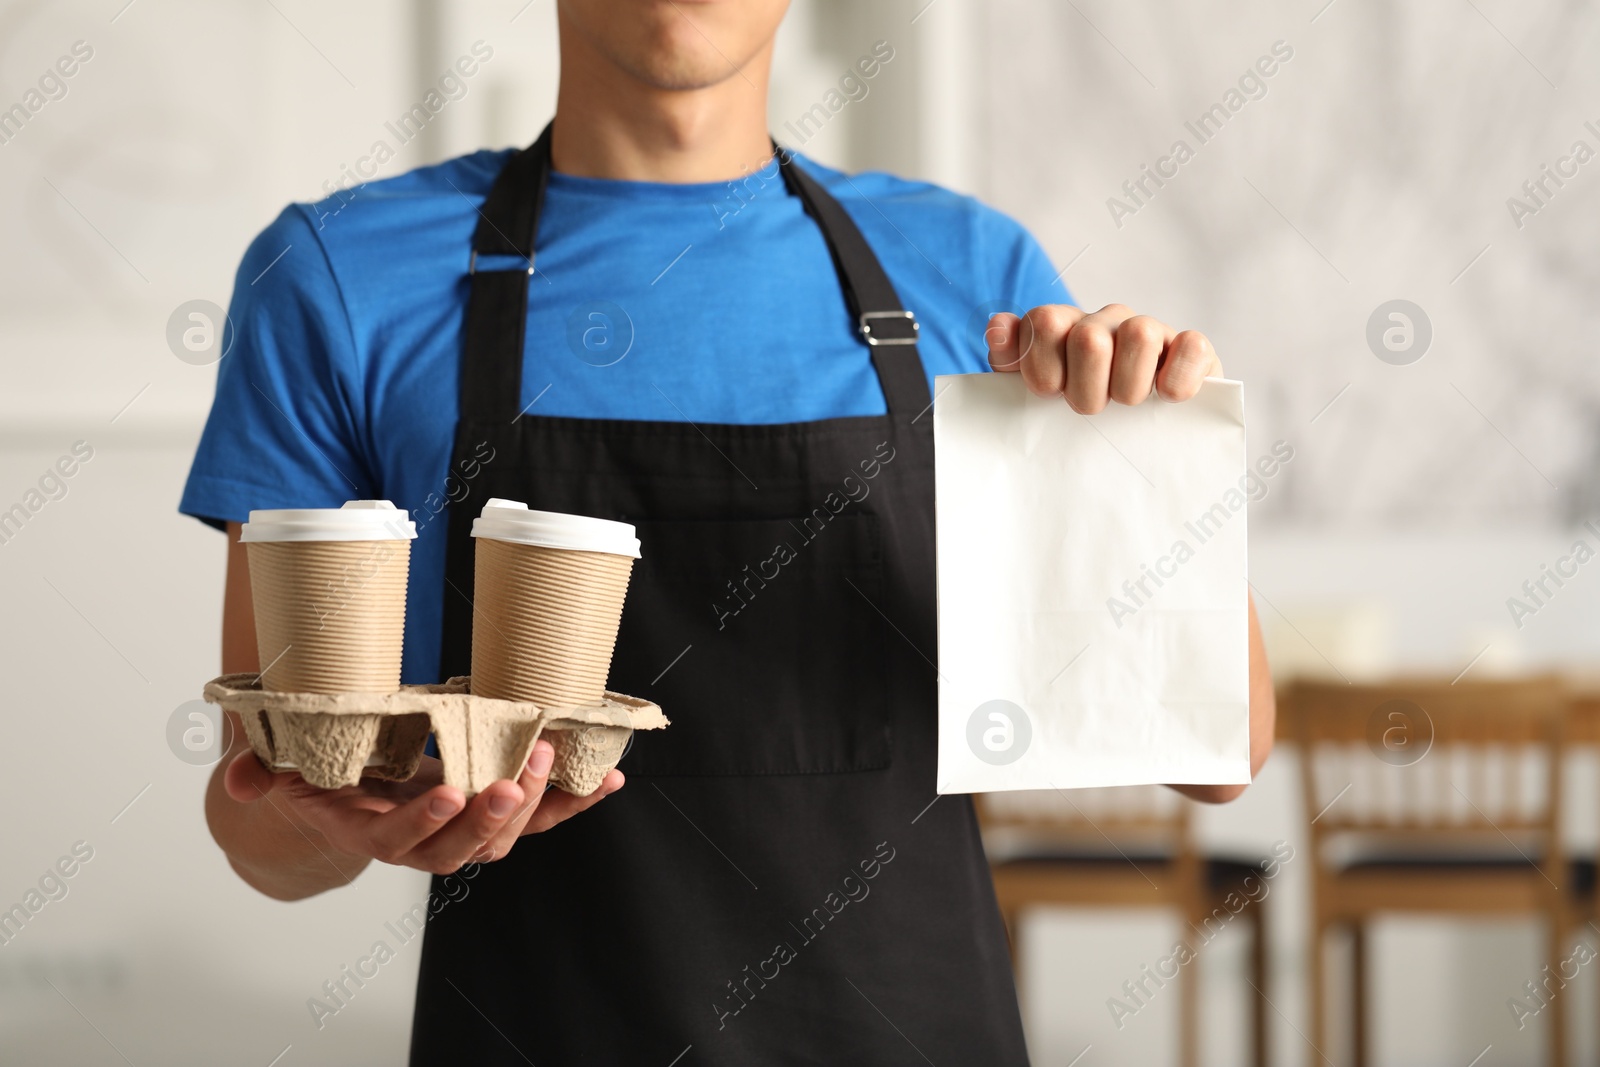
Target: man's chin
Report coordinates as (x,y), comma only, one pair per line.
(679,73)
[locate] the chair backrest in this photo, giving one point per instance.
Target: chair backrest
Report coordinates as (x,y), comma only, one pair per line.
(1129,819)
(1414,766)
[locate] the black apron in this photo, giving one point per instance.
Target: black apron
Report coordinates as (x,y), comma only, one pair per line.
(772,885)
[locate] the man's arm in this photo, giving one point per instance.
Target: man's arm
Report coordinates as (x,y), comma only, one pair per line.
(291,840)
(1113,355)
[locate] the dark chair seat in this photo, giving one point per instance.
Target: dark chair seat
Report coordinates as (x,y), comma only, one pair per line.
(1221,871)
(1580,881)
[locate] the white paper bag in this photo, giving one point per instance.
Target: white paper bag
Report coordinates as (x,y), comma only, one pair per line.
(1092,593)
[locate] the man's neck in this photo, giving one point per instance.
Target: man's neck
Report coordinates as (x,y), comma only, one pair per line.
(610,125)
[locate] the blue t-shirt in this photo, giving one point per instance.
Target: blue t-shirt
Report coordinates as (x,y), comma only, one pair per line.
(703,302)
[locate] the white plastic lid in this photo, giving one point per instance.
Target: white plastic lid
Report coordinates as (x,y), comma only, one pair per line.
(357,520)
(510,520)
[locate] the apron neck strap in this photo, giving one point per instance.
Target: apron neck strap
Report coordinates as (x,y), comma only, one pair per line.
(881,321)
(509,220)
(497,307)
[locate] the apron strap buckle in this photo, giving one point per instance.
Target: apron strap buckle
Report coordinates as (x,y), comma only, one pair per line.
(472,263)
(894,335)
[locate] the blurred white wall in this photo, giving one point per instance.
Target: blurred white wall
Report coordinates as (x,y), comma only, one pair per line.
(1376,167)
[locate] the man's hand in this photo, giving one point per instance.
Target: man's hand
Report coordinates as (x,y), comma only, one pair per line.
(291,840)
(420,823)
(1111,354)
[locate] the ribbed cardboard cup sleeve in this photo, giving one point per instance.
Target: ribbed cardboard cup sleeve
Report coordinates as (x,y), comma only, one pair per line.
(330,615)
(544,622)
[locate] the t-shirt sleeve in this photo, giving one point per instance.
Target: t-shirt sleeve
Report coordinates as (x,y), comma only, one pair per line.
(1013,270)
(1028,276)
(284,425)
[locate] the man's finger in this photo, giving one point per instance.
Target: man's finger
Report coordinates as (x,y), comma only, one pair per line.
(535,778)
(390,836)
(1002,338)
(1042,333)
(1190,360)
(1089,349)
(559,805)
(1140,341)
(246,779)
(462,838)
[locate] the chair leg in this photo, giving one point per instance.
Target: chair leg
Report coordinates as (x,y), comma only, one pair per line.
(1189,1015)
(1358,990)
(1258,978)
(1319,991)
(1558,1003)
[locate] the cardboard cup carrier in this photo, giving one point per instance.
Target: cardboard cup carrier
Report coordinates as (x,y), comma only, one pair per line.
(329,591)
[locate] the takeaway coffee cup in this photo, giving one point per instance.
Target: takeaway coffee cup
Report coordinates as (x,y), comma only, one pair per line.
(548,600)
(329,586)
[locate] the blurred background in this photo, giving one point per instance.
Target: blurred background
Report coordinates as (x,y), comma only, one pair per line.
(1397,152)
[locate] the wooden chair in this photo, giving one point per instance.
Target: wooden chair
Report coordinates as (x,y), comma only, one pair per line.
(1122,848)
(1433,798)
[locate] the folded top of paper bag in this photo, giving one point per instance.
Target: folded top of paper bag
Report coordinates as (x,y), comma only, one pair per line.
(1092,589)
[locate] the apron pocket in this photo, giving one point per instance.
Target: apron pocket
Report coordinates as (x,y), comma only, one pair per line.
(753,641)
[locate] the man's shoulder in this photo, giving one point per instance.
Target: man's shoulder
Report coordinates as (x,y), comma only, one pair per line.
(872,188)
(453,187)
(472,173)
(929,215)
(362,228)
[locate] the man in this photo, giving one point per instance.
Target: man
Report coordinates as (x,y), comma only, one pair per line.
(588,327)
